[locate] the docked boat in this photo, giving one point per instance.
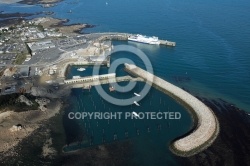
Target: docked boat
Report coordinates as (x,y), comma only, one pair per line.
(81,69)
(111,88)
(144,39)
(135,102)
(76,77)
(137,94)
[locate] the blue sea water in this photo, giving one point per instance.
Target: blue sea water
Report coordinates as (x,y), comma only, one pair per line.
(212,50)
(212,38)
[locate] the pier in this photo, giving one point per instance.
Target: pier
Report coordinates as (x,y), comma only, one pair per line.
(98,80)
(167,43)
(206,125)
(124,36)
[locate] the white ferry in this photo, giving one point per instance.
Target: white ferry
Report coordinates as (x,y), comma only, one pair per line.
(81,69)
(144,39)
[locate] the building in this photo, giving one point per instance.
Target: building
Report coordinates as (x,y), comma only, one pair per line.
(100,58)
(24,72)
(41,45)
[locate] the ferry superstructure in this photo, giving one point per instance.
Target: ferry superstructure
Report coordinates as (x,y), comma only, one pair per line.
(144,39)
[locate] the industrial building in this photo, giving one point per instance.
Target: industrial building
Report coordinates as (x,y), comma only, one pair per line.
(41,45)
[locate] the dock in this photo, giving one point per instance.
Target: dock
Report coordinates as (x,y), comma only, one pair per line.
(206,125)
(88,82)
(124,36)
(167,43)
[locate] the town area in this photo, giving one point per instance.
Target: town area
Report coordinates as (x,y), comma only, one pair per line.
(32,55)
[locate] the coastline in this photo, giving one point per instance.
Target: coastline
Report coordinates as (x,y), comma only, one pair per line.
(221,149)
(47,22)
(60,24)
(218,152)
(9,1)
(9,19)
(42,146)
(31,121)
(34,2)
(17,14)
(232,144)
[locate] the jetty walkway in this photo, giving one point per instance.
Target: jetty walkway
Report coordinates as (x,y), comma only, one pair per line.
(206,127)
(86,82)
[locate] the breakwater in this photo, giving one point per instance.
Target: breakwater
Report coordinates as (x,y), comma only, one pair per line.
(206,127)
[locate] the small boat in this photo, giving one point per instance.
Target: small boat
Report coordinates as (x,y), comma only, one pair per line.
(81,69)
(135,102)
(76,77)
(69,11)
(106,3)
(111,88)
(135,115)
(137,94)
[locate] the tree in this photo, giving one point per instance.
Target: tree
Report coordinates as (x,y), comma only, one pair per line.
(4,30)
(40,27)
(11,28)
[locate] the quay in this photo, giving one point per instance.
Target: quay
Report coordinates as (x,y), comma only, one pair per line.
(167,43)
(206,125)
(89,81)
(124,36)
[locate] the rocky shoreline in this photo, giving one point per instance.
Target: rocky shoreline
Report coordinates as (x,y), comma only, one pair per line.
(28,122)
(17,14)
(232,146)
(61,25)
(9,19)
(34,2)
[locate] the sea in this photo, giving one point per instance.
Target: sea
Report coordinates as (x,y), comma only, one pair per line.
(211,59)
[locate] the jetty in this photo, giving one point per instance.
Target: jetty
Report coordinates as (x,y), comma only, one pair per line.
(89,81)
(206,125)
(125,36)
(167,43)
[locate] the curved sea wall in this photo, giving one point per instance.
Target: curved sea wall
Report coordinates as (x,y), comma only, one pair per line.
(206,127)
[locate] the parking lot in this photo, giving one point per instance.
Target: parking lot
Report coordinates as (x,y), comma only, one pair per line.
(7,59)
(44,56)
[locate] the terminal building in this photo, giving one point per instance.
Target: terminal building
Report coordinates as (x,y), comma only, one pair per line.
(34,47)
